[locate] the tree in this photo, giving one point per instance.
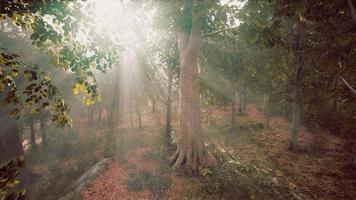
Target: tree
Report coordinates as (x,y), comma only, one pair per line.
(52,26)
(190,151)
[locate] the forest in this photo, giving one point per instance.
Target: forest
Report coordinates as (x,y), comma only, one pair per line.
(177,99)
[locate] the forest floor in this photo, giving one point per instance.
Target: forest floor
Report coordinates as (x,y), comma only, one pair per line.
(253,163)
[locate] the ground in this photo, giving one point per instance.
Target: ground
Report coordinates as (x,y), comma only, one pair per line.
(254,163)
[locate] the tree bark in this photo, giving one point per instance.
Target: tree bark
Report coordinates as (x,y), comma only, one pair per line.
(169,102)
(190,151)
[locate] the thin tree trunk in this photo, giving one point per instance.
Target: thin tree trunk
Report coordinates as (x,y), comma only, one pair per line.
(99,113)
(138,113)
(242,104)
(153,104)
(296,109)
(233,112)
(169,102)
(297,94)
(108,114)
(90,117)
(43,129)
(131,115)
(190,151)
(245,101)
(115,101)
(267,108)
(32,134)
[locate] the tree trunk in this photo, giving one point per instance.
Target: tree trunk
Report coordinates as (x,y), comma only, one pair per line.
(108,114)
(242,102)
(153,104)
(43,129)
(245,102)
(233,112)
(169,102)
(296,109)
(139,120)
(297,94)
(115,101)
(190,151)
(90,117)
(10,142)
(131,114)
(32,134)
(99,113)
(266,108)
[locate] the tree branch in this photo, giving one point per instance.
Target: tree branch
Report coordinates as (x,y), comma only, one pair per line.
(347,84)
(220,31)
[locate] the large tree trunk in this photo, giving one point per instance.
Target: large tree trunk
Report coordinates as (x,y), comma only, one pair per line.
(10,142)
(297,94)
(190,152)
(11,146)
(233,112)
(169,102)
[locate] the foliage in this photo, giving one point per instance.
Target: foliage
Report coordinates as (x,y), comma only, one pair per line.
(55,27)
(38,94)
(8,181)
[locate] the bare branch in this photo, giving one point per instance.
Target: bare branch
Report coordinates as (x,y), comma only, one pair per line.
(347,84)
(220,31)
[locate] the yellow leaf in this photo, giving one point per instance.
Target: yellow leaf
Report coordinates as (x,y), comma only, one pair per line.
(34,111)
(14,73)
